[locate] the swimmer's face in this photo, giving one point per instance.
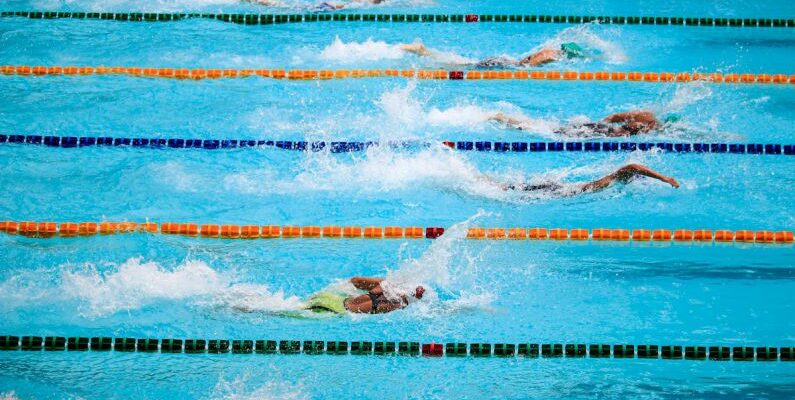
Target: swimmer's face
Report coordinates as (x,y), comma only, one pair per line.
(419,291)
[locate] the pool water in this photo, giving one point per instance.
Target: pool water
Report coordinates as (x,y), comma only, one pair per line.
(478,291)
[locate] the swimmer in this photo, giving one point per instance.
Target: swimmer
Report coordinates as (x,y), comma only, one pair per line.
(624,175)
(372,302)
(619,124)
(544,56)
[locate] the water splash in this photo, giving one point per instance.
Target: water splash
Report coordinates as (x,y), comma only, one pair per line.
(405,111)
(584,35)
(451,275)
(353,52)
(135,284)
(240,389)
(8,396)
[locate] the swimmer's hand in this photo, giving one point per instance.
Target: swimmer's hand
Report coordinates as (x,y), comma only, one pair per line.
(671,181)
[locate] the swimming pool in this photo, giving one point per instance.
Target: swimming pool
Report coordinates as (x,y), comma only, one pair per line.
(166,286)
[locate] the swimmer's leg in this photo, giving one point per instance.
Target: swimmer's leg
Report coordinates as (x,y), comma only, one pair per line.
(624,174)
(360,304)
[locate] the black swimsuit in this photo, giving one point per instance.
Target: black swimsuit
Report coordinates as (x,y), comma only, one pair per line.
(496,62)
(375,300)
(597,128)
(541,187)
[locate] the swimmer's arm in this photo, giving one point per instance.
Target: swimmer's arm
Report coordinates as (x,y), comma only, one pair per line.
(364,283)
(630,116)
(416,48)
(624,174)
(508,120)
(496,182)
(544,56)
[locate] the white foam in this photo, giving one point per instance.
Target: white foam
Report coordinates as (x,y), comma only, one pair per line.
(354,52)
(686,95)
(405,112)
(136,284)
(240,388)
(8,396)
(585,36)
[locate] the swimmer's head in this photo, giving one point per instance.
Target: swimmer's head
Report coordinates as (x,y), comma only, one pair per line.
(419,291)
(572,50)
(671,118)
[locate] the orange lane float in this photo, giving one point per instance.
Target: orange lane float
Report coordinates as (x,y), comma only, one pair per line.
(271,231)
(476,233)
(325,74)
(47,229)
(764,237)
(332,231)
(250,231)
(601,234)
(703,235)
(415,232)
(352,232)
(537,233)
(661,235)
(210,231)
(393,232)
(558,234)
(744,236)
(311,231)
(496,233)
(783,237)
(28,228)
(230,231)
(620,234)
(579,234)
(35,229)
(641,235)
(87,229)
(373,232)
(517,233)
(289,231)
(683,235)
(724,236)
(189,230)
(109,228)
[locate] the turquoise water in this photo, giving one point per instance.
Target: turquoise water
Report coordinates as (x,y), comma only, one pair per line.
(165,286)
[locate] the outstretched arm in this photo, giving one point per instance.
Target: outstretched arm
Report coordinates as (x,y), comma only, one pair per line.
(416,48)
(624,174)
(364,283)
(513,122)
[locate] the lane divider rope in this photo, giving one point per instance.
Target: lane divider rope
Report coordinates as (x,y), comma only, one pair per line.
(344,147)
(230,231)
(441,74)
(317,347)
(268,19)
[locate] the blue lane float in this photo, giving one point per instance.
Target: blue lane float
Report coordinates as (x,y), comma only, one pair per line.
(356,146)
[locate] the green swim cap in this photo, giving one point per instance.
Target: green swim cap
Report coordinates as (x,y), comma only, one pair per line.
(572,50)
(671,118)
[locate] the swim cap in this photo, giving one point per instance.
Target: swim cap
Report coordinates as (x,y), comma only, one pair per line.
(671,118)
(572,50)
(419,291)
